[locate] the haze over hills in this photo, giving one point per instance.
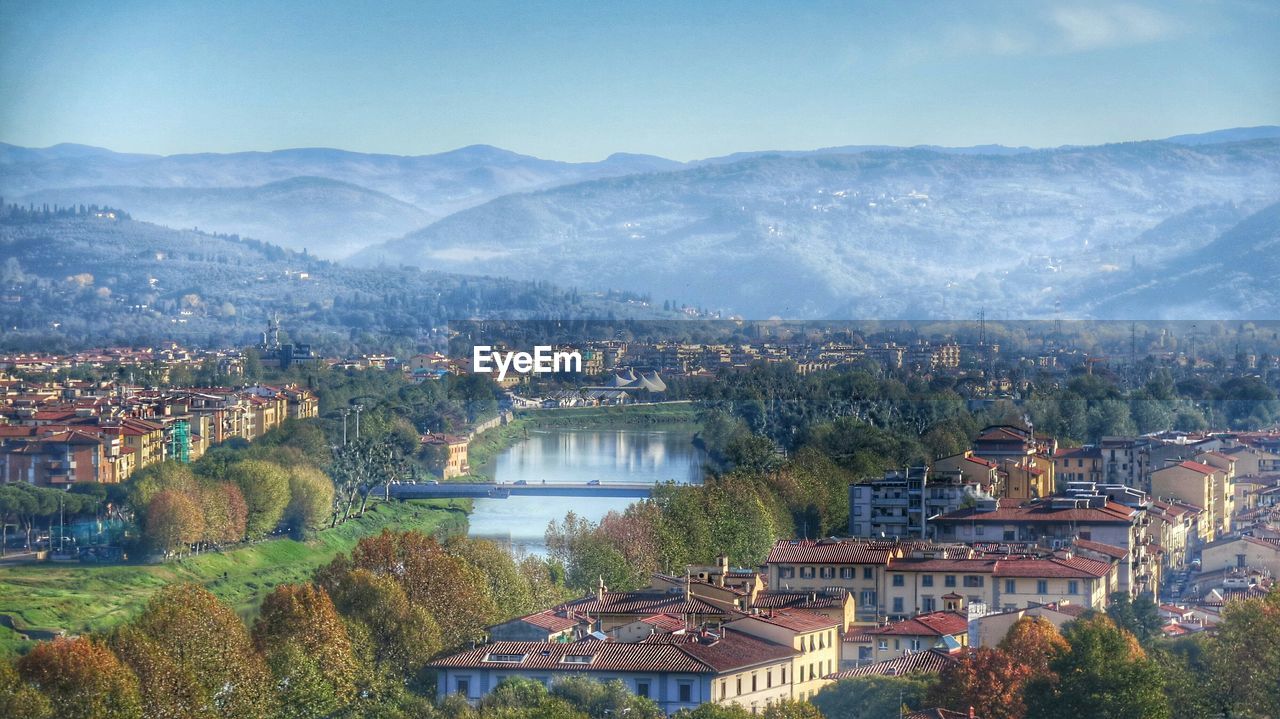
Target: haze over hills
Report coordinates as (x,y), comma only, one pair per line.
(901,233)
(396,193)
(850,231)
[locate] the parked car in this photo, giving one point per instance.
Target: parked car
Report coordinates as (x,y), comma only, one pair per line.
(593,483)
(520,482)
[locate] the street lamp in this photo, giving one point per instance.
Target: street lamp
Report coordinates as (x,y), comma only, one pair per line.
(344,414)
(358,408)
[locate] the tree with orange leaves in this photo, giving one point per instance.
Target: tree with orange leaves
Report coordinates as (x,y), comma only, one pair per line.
(81,677)
(1106,674)
(302,617)
(174,522)
(989,680)
(1034,642)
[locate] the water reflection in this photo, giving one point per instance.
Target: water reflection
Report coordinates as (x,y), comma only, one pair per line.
(574,455)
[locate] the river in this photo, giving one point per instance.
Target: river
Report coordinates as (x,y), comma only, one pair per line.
(612,456)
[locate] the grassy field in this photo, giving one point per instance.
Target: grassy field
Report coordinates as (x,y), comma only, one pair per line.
(484,450)
(82,598)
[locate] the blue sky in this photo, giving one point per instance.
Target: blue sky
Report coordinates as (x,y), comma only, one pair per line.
(578,81)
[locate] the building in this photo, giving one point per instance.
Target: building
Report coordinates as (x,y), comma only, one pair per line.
(814,637)
(1079,464)
(1203,486)
(990,629)
(545,626)
(610,610)
(1242,553)
(855,566)
(451,454)
(946,631)
(891,507)
(922,585)
(678,672)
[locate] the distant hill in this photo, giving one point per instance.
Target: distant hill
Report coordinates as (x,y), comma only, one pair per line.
(325,217)
(897,234)
(75,281)
(232,192)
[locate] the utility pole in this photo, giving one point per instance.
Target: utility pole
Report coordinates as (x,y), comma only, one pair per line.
(358,408)
(344,413)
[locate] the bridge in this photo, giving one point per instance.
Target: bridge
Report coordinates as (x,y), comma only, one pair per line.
(447,490)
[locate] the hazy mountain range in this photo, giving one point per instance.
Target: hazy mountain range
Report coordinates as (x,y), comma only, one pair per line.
(1153,229)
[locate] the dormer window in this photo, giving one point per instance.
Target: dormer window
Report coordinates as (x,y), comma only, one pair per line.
(506,658)
(577,658)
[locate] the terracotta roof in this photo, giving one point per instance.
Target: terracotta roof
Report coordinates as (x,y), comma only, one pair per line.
(550,621)
(934,624)
(1108,549)
(1195,467)
(931,662)
(642,603)
(939,713)
(844,551)
(778,599)
(1112,513)
(666,623)
(682,654)
(796,620)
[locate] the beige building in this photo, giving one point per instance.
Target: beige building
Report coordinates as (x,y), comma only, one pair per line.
(1204,486)
(946,630)
(990,630)
(921,586)
(1242,553)
(815,638)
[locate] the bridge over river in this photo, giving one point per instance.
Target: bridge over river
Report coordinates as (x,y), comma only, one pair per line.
(446,490)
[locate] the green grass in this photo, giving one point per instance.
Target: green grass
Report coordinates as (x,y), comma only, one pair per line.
(85,598)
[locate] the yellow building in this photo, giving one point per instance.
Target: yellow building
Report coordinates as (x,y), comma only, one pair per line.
(947,630)
(1203,486)
(814,636)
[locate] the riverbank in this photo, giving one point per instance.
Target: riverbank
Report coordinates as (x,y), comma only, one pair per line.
(80,598)
(482,453)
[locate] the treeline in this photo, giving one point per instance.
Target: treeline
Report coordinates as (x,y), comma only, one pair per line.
(353,642)
(1095,667)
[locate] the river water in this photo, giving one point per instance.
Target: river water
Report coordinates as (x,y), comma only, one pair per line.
(612,456)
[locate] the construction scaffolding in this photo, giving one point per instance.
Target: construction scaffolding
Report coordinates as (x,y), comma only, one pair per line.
(180,442)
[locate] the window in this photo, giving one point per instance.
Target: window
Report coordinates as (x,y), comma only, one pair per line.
(1073,587)
(462,686)
(753,682)
(899,580)
(827,572)
(686,692)
(981,530)
(642,689)
(1042,586)
(884,644)
(1010,535)
(1010,586)
(868,598)
(577,659)
(724,689)
(506,658)
(867,572)
(784,676)
(926,580)
(897,605)
(807,572)
(739,691)
(927,604)
(972,581)
(846,572)
(915,645)
(949,580)
(768,679)
(786,572)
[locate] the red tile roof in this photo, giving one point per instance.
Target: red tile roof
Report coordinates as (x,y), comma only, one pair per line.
(642,603)
(934,624)
(1112,513)
(844,551)
(674,653)
(796,620)
(550,621)
(927,662)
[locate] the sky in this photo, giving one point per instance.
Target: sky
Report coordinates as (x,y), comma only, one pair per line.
(578,81)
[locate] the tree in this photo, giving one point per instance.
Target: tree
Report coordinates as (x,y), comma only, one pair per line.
(20,700)
(168,688)
(870,697)
(174,522)
(602,700)
(302,617)
(81,677)
(310,499)
(792,709)
(1106,674)
(265,487)
(204,638)
(988,680)
(1244,659)
(225,513)
(402,637)
(1034,642)
(1140,617)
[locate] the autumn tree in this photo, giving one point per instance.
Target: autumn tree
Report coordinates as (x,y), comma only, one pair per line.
(310,499)
(204,638)
(168,687)
(82,678)
(402,637)
(791,709)
(1105,674)
(265,487)
(1244,659)
(870,697)
(302,617)
(507,585)
(20,700)
(225,513)
(454,593)
(989,680)
(1034,642)
(174,522)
